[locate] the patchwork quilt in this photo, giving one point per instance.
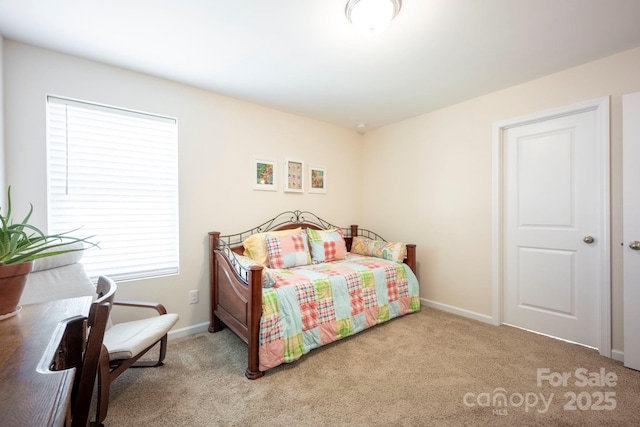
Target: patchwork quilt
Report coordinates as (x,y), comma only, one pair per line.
(309,306)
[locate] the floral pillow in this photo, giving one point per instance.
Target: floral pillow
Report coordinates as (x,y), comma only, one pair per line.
(326,245)
(379,248)
(287,251)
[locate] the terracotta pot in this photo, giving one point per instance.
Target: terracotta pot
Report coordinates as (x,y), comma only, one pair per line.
(13,277)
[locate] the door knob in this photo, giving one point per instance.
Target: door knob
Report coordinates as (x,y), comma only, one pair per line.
(589,239)
(635,245)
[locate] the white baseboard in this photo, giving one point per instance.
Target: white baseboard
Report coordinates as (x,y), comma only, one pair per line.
(203,327)
(617,355)
(189,330)
(459,311)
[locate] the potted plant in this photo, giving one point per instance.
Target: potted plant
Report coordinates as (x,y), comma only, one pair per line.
(20,244)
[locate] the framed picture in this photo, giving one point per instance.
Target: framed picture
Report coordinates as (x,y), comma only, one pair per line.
(293,176)
(317,180)
(264,175)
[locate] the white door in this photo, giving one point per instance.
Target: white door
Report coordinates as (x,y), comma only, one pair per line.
(552,231)
(631,225)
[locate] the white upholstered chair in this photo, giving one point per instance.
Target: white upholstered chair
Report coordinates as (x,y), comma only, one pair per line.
(125,343)
(63,276)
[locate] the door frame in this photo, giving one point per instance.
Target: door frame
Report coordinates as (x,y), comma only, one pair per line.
(630,209)
(601,106)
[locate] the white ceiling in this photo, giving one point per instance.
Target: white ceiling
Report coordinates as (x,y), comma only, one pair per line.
(301,56)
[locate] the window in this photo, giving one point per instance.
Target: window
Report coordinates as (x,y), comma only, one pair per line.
(113,173)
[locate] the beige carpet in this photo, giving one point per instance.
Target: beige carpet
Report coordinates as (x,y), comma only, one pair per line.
(428,368)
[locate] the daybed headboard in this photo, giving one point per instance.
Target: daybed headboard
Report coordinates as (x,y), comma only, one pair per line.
(294,219)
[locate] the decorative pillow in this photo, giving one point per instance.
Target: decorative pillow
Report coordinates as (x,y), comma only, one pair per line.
(287,251)
(379,248)
(326,245)
(256,248)
(268,277)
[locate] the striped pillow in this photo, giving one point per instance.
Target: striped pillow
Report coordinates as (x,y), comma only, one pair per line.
(287,251)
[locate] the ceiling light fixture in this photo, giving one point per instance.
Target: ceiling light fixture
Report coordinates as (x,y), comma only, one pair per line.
(371,17)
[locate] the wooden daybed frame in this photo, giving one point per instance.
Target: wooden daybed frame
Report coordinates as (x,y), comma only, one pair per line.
(236,293)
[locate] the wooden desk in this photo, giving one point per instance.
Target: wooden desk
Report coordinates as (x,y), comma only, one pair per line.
(39,348)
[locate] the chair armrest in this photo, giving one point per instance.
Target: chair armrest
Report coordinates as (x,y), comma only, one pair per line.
(142,304)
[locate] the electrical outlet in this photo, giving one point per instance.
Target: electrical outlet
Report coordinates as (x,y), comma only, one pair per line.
(193,297)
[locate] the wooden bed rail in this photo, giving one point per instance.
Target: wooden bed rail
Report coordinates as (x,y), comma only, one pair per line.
(239,305)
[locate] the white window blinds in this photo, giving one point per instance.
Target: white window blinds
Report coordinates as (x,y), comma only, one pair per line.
(114,173)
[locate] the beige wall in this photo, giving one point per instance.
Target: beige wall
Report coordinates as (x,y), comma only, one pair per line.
(218,137)
(435,169)
(439,166)
(2,162)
